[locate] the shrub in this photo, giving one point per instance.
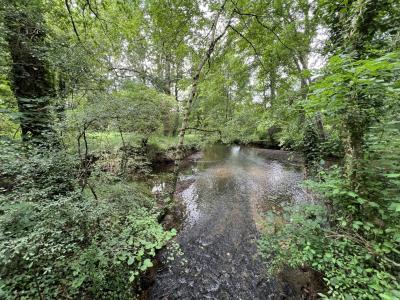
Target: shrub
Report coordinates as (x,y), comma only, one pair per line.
(56,242)
(357,253)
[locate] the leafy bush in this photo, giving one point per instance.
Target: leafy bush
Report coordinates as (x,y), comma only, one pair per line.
(353,267)
(58,243)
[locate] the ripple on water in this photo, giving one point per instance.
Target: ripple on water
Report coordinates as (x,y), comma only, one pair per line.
(190,197)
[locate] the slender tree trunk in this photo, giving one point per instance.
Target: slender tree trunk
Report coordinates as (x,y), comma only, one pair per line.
(272,86)
(227,102)
(214,39)
(357,122)
(176,121)
(195,81)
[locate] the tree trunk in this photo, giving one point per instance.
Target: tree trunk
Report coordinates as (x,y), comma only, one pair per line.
(30,77)
(272,86)
(357,123)
(195,81)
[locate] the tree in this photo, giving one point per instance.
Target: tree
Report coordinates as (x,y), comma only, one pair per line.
(214,38)
(30,76)
(356,28)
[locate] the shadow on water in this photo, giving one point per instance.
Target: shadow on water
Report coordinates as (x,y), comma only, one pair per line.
(229,188)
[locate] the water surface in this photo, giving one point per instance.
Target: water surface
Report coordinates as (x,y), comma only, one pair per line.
(231,187)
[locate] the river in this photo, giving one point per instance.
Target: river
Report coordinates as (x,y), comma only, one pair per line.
(230,188)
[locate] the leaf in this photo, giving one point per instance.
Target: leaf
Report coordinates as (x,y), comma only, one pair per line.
(395,206)
(146,264)
(131,260)
(352,194)
(393,175)
(356,224)
(361,200)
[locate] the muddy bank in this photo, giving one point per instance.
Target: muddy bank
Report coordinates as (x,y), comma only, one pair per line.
(162,160)
(282,156)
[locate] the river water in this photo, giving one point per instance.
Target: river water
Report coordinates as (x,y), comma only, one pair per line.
(230,188)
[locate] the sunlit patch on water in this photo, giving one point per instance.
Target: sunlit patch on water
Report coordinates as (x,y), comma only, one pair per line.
(235,150)
(184,177)
(223,172)
(190,197)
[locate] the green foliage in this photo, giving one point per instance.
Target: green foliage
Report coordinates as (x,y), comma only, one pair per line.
(133,108)
(353,237)
(347,21)
(311,149)
(57,243)
(7,101)
(372,79)
(141,109)
(115,77)
(353,267)
(250,119)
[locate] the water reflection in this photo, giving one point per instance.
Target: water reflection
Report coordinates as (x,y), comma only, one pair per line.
(235,150)
(192,211)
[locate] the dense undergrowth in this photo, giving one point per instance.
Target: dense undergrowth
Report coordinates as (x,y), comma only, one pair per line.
(57,242)
(351,236)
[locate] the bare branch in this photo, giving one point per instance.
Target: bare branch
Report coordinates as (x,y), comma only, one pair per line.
(258,19)
(250,43)
(72,20)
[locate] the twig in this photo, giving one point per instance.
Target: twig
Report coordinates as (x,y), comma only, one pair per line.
(257,17)
(72,20)
(250,43)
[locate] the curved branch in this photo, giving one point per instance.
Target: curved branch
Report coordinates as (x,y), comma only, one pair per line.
(72,20)
(257,17)
(250,43)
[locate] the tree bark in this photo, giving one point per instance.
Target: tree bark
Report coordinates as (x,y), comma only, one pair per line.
(358,35)
(30,77)
(272,86)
